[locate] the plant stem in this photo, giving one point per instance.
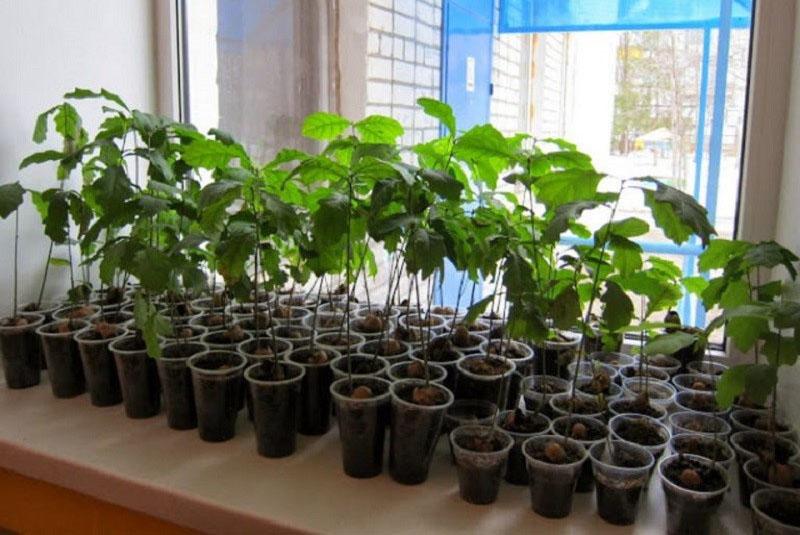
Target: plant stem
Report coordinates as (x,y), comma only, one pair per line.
(16,264)
(44,277)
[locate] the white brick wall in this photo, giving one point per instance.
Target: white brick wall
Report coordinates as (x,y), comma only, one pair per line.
(403,63)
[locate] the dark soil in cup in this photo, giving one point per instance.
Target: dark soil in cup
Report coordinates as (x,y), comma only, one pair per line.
(552,497)
(746,403)
(633,371)
(639,405)
(783,512)
(660,362)
(494,388)
(487,366)
(275,409)
(102,331)
(760,422)
(702,384)
(546,386)
(64,366)
(501,348)
(212,320)
(475,326)
(599,384)
(337,341)
(100,370)
(443,311)
(694,475)
(285,312)
(580,405)
(415,370)
(700,425)
(370,324)
(415,432)
(617,505)
(462,338)
(291,333)
(79,312)
(113,318)
(218,399)
(359,365)
(554,452)
(112,296)
(385,348)
(581,430)
(701,403)
(761,446)
(315,410)
(176,382)
(521,422)
(362,427)
(407,335)
(21,352)
(479,483)
(640,432)
(702,447)
(138,379)
(554,361)
(422,322)
(179,309)
(184,332)
(780,475)
(230,336)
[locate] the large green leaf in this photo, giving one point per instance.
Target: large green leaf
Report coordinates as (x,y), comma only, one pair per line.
(209,154)
(425,252)
(566,308)
(439,110)
(667,344)
(731,384)
(153,269)
(567,186)
(771,254)
(563,215)
(11,196)
(40,128)
(719,252)
(41,157)
(323,126)
(629,227)
(68,122)
(379,129)
(482,141)
(113,188)
(678,214)
(442,183)
(234,250)
(220,192)
(81,93)
(618,309)
(626,255)
(330,219)
(780,350)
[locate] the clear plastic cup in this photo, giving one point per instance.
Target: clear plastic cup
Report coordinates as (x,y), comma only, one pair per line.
(754,420)
(537,390)
(698,422)
(480,472)
(552,486)
(21,353)
(99,367)
(623,427)
(766,503)
(661,394)
(700,402)
(471,385)
(517,470)
(276,405)
(361,365)
(716,449)
(399,371)
(138,377)
(218,383)
(757,474)
(691,511)
(620,476)
(694,382)
(64,366)
(176,383)
(596,431)
(615,359)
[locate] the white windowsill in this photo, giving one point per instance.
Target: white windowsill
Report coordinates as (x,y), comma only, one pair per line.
(227,488)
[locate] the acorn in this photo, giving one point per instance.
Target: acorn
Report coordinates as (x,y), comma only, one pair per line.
(674,318)
(391,346)
(105,330)
(318,357)
(579,431)
(781,475)
(361,392)
(554,452)
(415,369)
(461,336)
(425,395)
(372,324)
(690,478)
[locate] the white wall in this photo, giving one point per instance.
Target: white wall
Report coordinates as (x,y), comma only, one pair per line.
(48,48)
(786,229)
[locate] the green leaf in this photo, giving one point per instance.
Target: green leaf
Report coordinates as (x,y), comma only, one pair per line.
(731,384)
(667,344)
(11,197)
(676,213)
(80,93)
(153,269)
(627,228)
(59,262)
(770,254)
(221,192)
(695,285)
(482,141)
(379,129)
(719,252)
(40,128)
(566,308)
(564,214)
(209,154)
(780,350)
(234,251)
(41,157)
(380,228)
(330,219)
(736,293)
(439,110)
(57,216)
(477,309)
(618,309)
(425,252)
(323,126)
(68,122)
(760,382)
(567,186)
(443,184)
(113,188)
(627,255)
(745,332)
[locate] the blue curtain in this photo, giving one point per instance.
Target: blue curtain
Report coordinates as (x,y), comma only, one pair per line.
(535,16)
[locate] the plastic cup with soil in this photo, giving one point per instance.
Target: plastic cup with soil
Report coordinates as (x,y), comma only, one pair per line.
(522,355)
(447,358)
(642,430)
(359,365)
(297,335)
(76,312)
(20,349)
(580,404)
(699,423)
(218,385)
(449,312)
(225,339)
(554,464)
(276,393)
(241,311)
(481,454)
(415,369)
(477,327)
(621,471)
(46,309)
(114,318)
(391,349)
(612,358)
(315,409)
(326,322)
(665,363)
(255,326)
(638,405)
(599,385)
(694,382)
(556,353)
(138,377)
(700,402)
(99,368)
(659,394)
(216,303)
(362,409)
(763,446)
(467,412)
(484,377)
(339,305)
(587,431)
(264,347)
(537,389)
(377,310)
(418,411)
(521,425)
(64,366)
(776,512)
(176,383)
(426,326)
(753,420)
(184,333)
(706,368)
(294,315)
(212,321)
(339,341)
(371,327)
(707,446)
(653,374)
(463,340)
(694,488)
(589,369)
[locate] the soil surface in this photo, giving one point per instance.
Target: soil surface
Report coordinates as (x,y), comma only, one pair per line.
(580,405)
(600,384)
(423,395)
(701,403)
(785,512)
(694,475)
(760,422)
(762,447)
(360,365)
(512,351)
(318,356)
(637,406)
(641,432)
(700,425)
(548,387)
(18,321)
(79,312)
(386,348)
(581,430)
(555,451)
(481,444)
(703,448)
(270,371)
(486,366)
(522,422)
(101,331)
